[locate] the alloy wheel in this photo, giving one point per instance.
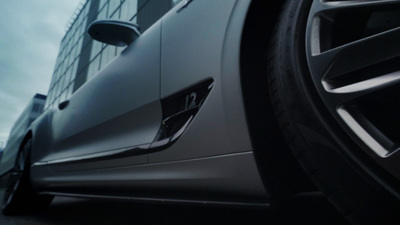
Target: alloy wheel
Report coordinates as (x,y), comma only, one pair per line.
(15,178)
(353,54)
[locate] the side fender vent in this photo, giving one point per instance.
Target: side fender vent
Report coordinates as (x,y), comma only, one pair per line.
(179,110)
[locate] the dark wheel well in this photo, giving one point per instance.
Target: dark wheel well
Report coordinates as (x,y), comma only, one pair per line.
(28,136)
(281,173)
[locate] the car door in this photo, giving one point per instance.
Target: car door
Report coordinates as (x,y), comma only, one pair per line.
(117,111)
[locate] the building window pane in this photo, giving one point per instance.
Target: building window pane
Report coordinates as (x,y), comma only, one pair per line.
(132,10)
(102,2)
(113,4)
(103,12)
(36,107)
(116,14)
(70,89)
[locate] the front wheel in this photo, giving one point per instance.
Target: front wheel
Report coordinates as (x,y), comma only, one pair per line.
(19,196)
(334,76)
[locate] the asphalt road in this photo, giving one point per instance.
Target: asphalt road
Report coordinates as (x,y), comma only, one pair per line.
(84,211)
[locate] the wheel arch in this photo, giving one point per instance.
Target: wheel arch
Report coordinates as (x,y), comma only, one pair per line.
(28,135)
(281,173)
(42,136)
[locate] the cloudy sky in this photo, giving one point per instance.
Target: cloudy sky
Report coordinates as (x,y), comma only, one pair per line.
(30,35)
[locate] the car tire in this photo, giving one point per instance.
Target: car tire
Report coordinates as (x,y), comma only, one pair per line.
(19,196)
(323,144)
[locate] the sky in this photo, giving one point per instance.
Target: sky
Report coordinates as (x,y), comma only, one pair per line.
(30,36)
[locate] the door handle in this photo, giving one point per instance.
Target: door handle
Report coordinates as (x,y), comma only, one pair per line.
(63,105)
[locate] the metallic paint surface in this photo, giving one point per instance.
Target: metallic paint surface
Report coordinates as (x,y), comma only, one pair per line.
(120,107)
(193,51)
(217,178)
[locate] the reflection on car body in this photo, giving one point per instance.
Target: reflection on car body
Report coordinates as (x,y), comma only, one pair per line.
(203,106)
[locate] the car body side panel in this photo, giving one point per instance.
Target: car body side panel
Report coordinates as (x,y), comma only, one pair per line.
(118,108)
(42,136)
(223,178)
(192,41)
(198,43)
(213,159)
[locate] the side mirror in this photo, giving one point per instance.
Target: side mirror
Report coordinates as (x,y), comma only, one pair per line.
(114,32)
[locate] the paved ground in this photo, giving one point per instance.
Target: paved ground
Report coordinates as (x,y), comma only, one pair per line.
(82,211)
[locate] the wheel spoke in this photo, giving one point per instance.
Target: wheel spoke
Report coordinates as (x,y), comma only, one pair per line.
(320,6)
(331,68)
(13,183)
(358,66)
(366,86)
(18,193)
(15,178)
(353,56)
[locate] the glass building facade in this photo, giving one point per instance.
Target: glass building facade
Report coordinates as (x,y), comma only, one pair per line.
(80,57)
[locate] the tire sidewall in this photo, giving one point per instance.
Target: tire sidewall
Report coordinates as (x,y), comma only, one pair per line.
(317,141)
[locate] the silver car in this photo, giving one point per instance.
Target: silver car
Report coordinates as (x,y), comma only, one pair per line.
(226,102)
